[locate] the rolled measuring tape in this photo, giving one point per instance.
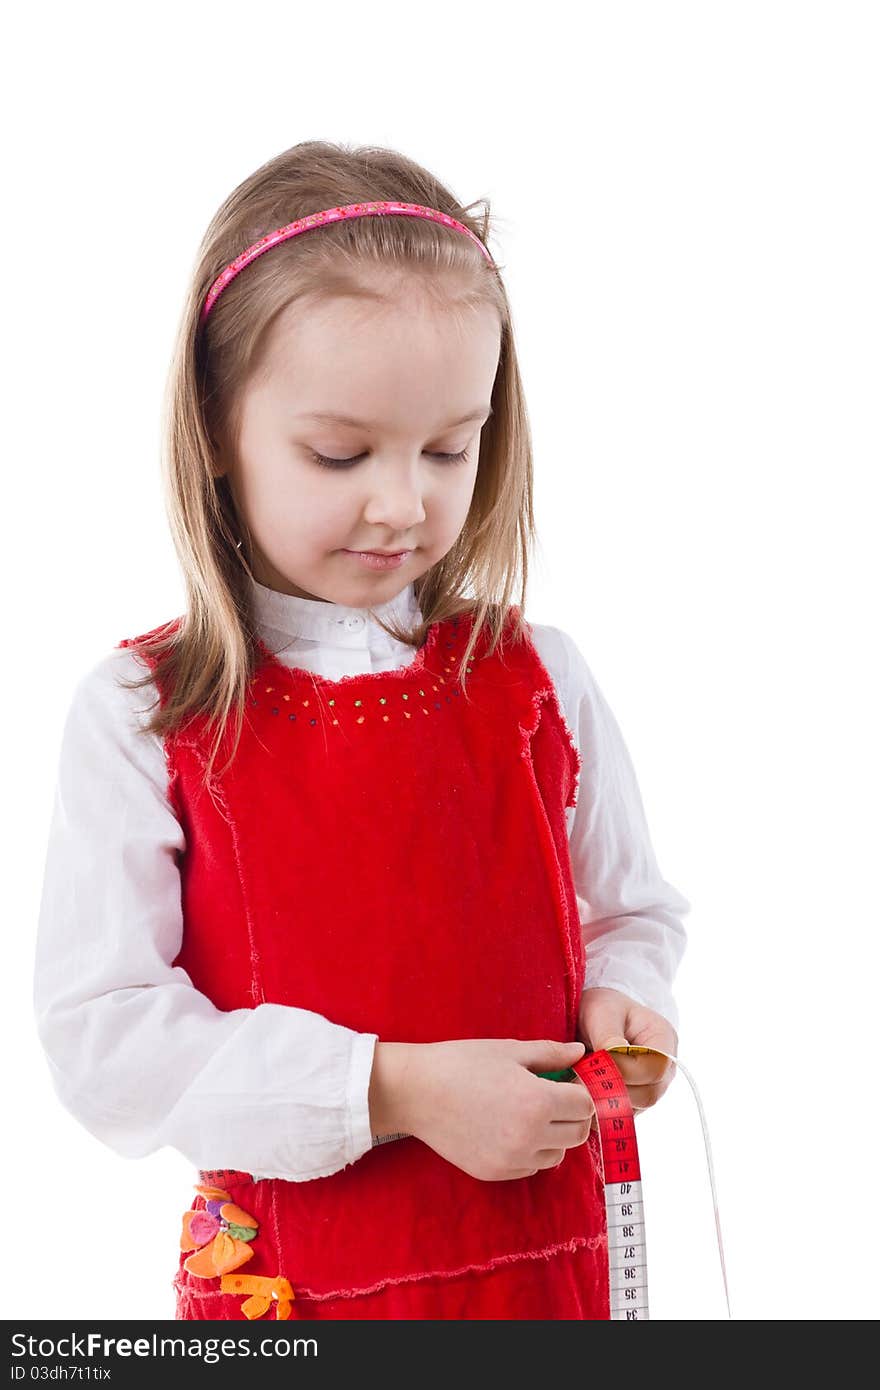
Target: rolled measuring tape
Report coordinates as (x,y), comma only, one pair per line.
(624,1205)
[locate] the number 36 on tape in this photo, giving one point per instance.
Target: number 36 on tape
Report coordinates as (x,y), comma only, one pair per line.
(627,1258)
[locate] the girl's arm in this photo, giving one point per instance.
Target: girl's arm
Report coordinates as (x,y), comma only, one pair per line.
(631,917)
(138,1055)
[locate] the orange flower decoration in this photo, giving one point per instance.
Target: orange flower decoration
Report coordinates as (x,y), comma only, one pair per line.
(220,1232)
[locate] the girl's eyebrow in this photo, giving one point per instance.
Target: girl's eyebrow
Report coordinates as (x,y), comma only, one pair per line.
(479,413)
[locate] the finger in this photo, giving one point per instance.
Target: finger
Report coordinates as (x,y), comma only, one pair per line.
(643,1097)
(572,1101)
(570,1132)
(606,1040)
(641,1069)
(549,1158)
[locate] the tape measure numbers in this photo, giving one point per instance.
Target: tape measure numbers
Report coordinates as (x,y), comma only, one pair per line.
(624,1206)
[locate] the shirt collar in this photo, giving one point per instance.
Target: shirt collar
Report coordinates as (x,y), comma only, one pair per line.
(335,624)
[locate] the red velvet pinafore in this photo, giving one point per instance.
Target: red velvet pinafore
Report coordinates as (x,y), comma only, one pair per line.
(391,852)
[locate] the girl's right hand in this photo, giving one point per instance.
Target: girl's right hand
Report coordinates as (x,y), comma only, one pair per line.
(478,1103)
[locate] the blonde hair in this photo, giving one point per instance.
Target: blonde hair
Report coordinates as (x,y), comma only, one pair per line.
(206,661)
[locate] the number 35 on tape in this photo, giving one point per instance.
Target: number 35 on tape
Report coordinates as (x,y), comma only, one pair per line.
(627,1254)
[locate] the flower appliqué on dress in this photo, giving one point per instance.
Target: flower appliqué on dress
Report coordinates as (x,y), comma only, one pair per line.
(221,1233)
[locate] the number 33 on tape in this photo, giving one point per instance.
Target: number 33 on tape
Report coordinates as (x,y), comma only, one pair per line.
(627,1259)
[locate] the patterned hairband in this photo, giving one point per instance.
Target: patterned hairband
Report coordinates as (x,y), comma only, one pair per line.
(320,219)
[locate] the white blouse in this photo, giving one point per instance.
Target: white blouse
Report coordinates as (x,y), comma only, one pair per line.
(143,1059)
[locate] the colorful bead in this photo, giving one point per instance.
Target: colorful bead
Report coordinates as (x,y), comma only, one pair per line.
(358,704)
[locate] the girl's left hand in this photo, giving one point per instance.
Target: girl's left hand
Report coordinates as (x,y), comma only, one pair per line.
(607,1018)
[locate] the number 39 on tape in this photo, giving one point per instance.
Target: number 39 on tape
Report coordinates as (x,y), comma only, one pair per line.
(627,1254)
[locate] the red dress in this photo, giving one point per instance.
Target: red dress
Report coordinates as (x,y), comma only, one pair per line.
(392,852)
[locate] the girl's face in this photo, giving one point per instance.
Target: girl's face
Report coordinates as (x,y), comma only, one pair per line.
(405,374)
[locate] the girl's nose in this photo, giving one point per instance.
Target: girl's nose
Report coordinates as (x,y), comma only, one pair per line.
(398,507)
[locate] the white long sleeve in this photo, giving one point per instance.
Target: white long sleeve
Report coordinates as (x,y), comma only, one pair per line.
(136,1053)
(631,917)
(141,1057)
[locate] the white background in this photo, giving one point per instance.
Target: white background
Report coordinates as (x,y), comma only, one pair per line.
(686,205)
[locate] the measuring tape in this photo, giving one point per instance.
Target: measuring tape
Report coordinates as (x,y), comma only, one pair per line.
(624,1207)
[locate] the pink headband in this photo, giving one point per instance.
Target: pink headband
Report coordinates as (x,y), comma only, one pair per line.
(320,219)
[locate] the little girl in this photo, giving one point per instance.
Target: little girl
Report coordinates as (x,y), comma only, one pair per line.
(323,914)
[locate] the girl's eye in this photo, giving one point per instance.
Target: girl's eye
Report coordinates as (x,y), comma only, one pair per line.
(325,462)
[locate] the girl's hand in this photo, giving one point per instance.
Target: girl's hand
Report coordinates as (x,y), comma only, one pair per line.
(478,1103)
(607,1018)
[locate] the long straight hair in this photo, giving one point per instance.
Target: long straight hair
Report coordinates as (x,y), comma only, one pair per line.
(205,660)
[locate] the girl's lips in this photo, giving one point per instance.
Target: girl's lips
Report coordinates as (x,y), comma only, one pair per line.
(372,560)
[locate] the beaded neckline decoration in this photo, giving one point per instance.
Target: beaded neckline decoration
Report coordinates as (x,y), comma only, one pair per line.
(410,689)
